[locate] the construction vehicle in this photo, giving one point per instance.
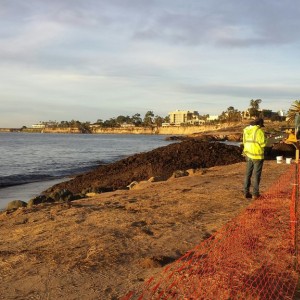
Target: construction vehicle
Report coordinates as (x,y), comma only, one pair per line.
(288,136)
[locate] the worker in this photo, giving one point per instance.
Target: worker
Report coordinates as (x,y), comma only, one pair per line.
(254,142)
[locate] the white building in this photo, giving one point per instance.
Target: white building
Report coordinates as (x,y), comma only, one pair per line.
(184,117)
(40,125)
(212,118)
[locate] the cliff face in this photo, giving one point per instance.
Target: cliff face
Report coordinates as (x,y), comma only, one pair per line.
(53,130)
(186,130)
(62,130)
(169,130)
(131,130)
(9,130)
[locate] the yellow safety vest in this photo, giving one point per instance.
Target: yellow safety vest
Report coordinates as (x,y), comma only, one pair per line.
(254,142)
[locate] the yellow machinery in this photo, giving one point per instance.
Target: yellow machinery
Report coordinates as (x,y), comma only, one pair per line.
(288,136)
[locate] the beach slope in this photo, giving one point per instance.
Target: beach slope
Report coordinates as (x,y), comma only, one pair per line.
(104,246)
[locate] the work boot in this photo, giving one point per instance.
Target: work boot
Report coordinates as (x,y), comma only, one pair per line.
(254,197)
(248,196)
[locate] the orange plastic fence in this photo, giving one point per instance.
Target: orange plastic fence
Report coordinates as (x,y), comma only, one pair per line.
(254,256)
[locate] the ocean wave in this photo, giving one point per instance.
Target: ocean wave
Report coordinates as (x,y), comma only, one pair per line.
(12,180)
(18,179)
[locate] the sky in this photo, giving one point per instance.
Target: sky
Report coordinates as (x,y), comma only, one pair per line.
(85,60)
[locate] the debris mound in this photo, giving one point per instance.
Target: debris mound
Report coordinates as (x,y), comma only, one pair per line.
(162,162)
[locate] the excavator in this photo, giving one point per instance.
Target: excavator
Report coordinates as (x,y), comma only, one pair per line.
(287,136)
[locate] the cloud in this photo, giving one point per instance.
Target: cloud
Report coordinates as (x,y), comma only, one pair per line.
(28,43)
(192,23)
(253,91)
(125,55)
(231,23)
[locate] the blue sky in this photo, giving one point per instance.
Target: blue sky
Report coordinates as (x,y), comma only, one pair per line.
(97,59)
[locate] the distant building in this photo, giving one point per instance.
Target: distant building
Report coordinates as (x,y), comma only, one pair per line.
(212,118)
(125,125)
(40,125)
(95,125)
(45,124)
(282,113)
(179,117)
(246,114)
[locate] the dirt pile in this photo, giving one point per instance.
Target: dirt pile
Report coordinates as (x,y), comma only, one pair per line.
(162,162)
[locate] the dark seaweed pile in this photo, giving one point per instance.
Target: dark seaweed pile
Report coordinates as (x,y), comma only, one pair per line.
(162,162)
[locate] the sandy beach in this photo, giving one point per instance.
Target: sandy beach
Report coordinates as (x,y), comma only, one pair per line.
(109,244)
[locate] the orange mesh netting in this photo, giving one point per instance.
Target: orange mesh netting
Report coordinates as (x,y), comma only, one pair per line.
(253,257)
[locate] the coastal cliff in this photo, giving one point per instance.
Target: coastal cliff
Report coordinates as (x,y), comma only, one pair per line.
(168,130)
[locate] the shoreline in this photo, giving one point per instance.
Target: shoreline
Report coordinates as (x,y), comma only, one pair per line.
(229,136)
(26,191)
(48,157)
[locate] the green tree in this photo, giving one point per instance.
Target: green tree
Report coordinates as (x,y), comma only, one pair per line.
(85,127)
(158,120)
(204,117)
(148,119)
(100,122)
(64,124)
(110,123)
(167,119)
(121,119)
(136,119)
(254,107)
(230,115)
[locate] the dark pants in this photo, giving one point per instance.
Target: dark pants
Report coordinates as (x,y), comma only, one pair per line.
(254,166)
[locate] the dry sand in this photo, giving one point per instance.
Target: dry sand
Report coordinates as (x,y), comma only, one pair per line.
(104,246)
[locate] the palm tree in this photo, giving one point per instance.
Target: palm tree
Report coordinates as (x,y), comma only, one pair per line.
(293,111)
(254,106)
(255,103)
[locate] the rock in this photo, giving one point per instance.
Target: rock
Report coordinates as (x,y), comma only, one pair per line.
(99,189)
(191,171)
(180,173)
(15,204)
(200,171)
(175,138)
(140,185)
(62,195)
(91,194)
(206,137)
(132,184)
(220,137)
(155,179)
(40,199)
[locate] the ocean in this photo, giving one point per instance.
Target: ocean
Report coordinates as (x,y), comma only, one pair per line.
(32,162)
